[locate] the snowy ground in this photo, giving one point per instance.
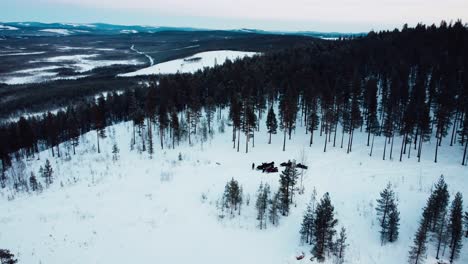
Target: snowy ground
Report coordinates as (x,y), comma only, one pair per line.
(142,210)
(206,59)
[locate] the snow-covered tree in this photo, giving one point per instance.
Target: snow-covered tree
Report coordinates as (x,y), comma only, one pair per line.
(456,227)
(273,212)
(341,245)
(418,249)
(388,215)
(232,198)
(47,173)
(261,204)
(324,228)
(271,123)
(307,227)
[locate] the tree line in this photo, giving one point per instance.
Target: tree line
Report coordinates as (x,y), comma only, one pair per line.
(410,83)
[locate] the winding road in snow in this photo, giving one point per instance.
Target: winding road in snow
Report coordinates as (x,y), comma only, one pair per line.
(151,60)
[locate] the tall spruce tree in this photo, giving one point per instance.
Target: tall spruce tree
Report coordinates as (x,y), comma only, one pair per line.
(456,227)
(271,123)
(418,249)
(438,202)
(466,224)
(307,227)
(324,228)
(274,211)
(47,173)
(232,197)
(261,205)
(341,245)
(388,215)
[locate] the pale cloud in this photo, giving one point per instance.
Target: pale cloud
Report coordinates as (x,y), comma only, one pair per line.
(386,11)
(326,15)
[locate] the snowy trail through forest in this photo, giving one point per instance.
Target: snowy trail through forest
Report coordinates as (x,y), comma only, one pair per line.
(151,60)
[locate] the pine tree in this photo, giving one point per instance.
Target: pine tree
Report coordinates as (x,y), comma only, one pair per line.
(271,123)
(115,152)
(33,182)
(313,121)
(438,202)
(341,245)
(261,204)
(232,196)
(386,206)
(175,128)
(47,172)
(418,250)
(273,213)
(393,224)
(100,120)
(456,227)
(324,224)
(307,227)
(466,224)
(6,257)
(288,179)
(210,109)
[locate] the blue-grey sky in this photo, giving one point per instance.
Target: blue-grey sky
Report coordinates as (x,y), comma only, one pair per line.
(317,15)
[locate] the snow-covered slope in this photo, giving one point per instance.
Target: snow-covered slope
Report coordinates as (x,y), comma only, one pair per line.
(143,209)
(191,64)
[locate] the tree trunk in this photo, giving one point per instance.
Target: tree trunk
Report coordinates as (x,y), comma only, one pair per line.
(311,138)
(453,129)
(334,137)
(325,147)
(437,149)
(464,153)
(247,141)
(284,140)
(342,137)
(269,140)
(402,145)
(391,147)
(161,132)
(238,139)
(97,137)
(349,142)
(368,137)
(385,148)
(234,137)
(372,145)
(420,149)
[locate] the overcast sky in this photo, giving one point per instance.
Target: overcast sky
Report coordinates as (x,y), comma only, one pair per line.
(314,15)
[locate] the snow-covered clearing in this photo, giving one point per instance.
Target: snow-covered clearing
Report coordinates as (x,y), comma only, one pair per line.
(162,210)
(128,31)
(86,62)
(57,31)
(192,63)
(3,27)
(22,53)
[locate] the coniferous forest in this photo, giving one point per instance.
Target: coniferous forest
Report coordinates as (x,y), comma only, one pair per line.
(406,89)
(411,83)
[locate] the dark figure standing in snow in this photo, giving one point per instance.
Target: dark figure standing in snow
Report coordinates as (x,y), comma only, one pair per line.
(253,166)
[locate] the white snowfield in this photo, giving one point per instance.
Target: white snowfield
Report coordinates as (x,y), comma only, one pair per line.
(3,27)
(22,53)
(87,62)
(57,31)
(206,59)
(151,210)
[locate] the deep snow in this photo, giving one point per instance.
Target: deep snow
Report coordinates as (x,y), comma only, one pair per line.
(150,210)
(184,65)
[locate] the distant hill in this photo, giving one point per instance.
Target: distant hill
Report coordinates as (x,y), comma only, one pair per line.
(66,29)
